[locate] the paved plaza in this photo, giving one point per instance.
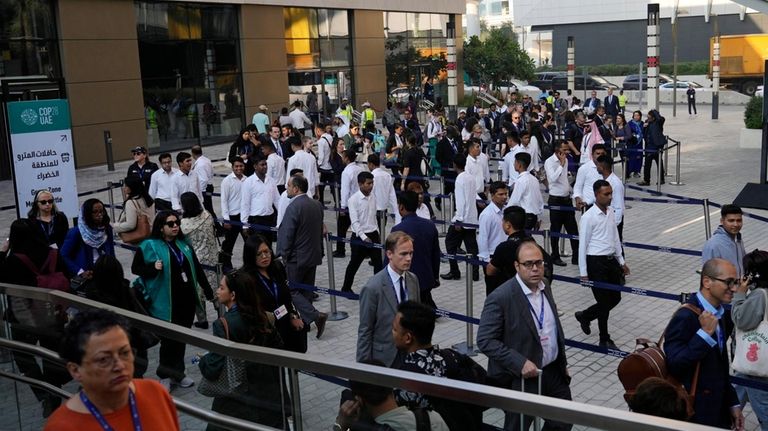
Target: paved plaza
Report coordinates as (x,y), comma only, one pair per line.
(712,166)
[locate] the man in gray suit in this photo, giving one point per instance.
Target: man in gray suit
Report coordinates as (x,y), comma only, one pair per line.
(379,300)
(521,334)
(300,243)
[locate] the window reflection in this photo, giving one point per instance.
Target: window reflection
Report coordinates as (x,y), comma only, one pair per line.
(28,44)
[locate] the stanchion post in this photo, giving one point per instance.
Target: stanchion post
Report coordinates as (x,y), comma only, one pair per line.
(677,181)
(707,223)
(666,158)
(658,171)
(624,170)
(108,149)
(111,200)
(5,329)
(293,377)
(443,203)
(547,242)
(335,314)
(221,309)
(468,348)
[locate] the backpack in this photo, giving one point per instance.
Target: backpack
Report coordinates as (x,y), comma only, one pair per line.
(457,415)
(649,360)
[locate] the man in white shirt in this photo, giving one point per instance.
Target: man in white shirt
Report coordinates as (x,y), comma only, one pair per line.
(184,181)
(533,150)
(298,118)
(463,226)
(362,215)
(203,167)
(474,168)
(383,191)
(586,176)
(325,148)
(600,260)
(508,172)
(491,232)
(161,184)
(527,193)
(231,194)
(275,166)
(259,197)
(285,200)
(556,168)
(302,159)
(605,167)
(348,188)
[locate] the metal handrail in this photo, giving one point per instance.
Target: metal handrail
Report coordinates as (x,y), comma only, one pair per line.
(505,399)
(206,415)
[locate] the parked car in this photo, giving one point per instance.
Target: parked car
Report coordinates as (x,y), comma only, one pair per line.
(543,80)
(759,91)
(632,82)
(505,87)
(592,83)
(681,85)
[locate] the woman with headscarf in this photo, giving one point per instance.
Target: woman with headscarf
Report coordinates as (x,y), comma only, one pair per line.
(89,240)
(44,214)
(244,148)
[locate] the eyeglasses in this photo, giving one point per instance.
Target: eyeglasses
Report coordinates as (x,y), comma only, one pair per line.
(730,282)
(108,361)
(529,264)
(264,254)
(173,223)
(45,202)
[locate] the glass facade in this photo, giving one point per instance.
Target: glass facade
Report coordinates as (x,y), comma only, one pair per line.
(28,45)
(319,54)
(190,72)
(415,49)
(493,7)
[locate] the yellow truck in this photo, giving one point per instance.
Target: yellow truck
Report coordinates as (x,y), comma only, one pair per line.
(742,61)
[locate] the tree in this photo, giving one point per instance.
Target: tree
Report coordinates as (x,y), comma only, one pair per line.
(496,58)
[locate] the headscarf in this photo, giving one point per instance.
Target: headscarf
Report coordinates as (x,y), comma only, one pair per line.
(94,238)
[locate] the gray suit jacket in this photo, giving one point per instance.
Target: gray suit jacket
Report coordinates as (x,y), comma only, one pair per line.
(508,336)
(300,236)
(378,307)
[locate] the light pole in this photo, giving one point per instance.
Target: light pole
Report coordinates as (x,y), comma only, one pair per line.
(450,33)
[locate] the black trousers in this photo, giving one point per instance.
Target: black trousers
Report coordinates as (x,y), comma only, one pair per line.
(162,205)
(359,253)
(327,177)
(559,219)
(342,226)
(171,355)
(692,104)
(51,372)
(264,221)
(230,238)
(608,270)
(531,220)
(453,238)
(554,383)
(302,299)
(649,158)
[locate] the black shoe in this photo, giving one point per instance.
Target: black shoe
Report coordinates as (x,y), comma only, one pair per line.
(450,276)
(201,325)
(347,290)
(644,183)
(574,260)
(339,254)
(460,251)
(320,323)
(559,262)
(608,344)
(476,277)
(583,322)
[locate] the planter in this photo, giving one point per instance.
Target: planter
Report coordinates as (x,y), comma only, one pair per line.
(751,138)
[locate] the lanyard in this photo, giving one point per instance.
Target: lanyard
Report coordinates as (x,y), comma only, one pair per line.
(271,285)
(540,316)
(47,229)
(100,418)
(179,256)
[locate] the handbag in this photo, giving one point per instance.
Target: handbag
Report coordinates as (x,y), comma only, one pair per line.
(232,379)
(140,232)
(752,346)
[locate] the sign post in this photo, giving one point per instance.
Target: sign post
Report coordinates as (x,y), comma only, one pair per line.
(41,150)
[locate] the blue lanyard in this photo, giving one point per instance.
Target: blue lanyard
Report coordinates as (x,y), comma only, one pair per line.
(271,285)
(47,228)
(100,418)
(540,316)
(179,256)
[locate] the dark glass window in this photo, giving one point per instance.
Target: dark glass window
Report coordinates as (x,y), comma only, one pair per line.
(28,45)
(316,38)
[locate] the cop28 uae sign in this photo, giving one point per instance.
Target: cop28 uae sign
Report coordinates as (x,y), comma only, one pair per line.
(41,147)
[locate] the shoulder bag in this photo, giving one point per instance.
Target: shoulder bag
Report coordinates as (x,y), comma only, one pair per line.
(141,231)
(749,357)
(232,379)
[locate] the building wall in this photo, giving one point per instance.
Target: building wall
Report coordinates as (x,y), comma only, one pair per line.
(624,42)
(370,74)
(100,62)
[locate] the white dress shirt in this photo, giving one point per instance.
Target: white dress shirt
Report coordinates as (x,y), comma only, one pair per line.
(349,183)
(204,170)
(598,236)
(395,277)
(465,193)
(617,202)
(307,163)
(490,233)
(231,194)
(422,211)
(384,191)
(324,149)
(276,169)
(557,177)
(434,129)
(485,167)
(548,329)
(533,150)
(362,214)
(527,194)
(258,197)
(299,119)
(475,170)
(282,205)
(585,179)
(508,172)
(183,183)
(161,185)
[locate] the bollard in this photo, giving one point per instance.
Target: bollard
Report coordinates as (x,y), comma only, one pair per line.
(335,314)
(677,181)
(293,377)
(547,243)
(658,172)
(111,200)
(468,348)
(707,223)
(108,148)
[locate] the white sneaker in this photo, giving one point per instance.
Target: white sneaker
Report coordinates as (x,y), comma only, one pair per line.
(166,383)
(186,382)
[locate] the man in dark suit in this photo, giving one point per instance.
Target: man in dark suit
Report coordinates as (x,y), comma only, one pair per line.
(447,148)
(426,246)
(693,341)
(591,104)
(522,336)
(611,104)
(379,300)
(300,243)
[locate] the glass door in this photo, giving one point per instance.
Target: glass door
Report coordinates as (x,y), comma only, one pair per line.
(337,85)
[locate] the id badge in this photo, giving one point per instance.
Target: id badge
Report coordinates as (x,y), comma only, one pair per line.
(544,342)
(280,312)
(184,277)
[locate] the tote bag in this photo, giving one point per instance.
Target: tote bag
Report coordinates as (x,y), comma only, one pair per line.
(751,353)
(232,379)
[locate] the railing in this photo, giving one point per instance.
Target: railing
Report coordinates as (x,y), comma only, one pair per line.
(508,400)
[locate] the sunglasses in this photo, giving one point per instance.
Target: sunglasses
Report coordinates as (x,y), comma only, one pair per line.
(45,202)
(173,223)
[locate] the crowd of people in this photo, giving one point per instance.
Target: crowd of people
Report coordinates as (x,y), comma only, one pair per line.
(274,199)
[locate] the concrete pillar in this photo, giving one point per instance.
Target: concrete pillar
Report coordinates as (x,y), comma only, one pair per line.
(653,64)
(473,18)
(571,59)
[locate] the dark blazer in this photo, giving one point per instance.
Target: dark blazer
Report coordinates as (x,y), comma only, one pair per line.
(144,175)
(59,229)
(444,154)
(426,249)
(592,103)
(508,336)
(378,307)
(78,255)
(300,235)
(684,349)
(611,104)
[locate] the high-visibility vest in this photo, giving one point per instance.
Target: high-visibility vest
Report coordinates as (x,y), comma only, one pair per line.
(369,115)
(151,118)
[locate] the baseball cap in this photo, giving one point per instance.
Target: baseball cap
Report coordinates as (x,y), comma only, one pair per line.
(263,107)
(139,150)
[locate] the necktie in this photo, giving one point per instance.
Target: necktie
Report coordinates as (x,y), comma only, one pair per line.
(278,148)
(403,295)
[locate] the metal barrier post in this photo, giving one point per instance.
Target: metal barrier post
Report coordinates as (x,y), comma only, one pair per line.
(220,309)
(468,348)
(624,169)
(666,156)
(382,232)
(108,149)
(111,200)
(677,181)
(707,223)
(293,377)
(334,314)
(547,243)
(5,329)
(563,252)
(443,203)
(658,171)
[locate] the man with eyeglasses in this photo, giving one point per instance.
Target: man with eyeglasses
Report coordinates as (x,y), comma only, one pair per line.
(521,334)
(695,346)
(600,259)
(726,242)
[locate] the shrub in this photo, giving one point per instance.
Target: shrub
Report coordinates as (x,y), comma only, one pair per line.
(753,113)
